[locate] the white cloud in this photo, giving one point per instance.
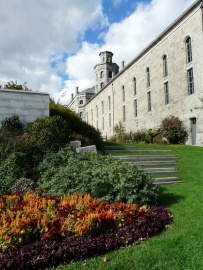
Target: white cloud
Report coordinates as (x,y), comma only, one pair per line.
(125,39)
(35,32)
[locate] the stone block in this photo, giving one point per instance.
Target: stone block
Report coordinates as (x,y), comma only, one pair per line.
(87,150)
(75,144)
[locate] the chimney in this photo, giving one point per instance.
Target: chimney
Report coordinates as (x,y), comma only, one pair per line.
(76,90)
(122,64)
(72,95)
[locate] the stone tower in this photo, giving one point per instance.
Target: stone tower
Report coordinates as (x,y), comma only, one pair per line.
(105,70)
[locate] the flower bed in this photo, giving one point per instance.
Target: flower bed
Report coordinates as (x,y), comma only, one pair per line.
(37,232)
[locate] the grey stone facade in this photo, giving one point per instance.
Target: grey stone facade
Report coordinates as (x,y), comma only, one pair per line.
(165,79)
(28,105)
(105,70)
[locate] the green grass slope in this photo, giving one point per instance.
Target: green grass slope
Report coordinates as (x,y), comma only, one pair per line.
(180,246)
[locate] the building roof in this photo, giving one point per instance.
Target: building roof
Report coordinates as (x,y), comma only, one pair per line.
(88,91)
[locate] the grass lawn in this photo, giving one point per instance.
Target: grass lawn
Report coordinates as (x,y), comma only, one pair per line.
(181,245)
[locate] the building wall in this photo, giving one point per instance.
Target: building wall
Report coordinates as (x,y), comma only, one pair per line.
(27,105)
(172,44)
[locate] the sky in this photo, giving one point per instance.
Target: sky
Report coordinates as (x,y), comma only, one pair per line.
(53,45)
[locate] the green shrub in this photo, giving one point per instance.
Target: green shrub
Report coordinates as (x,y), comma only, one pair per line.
(173,129)
(12,124)
(11,169)
(147,136)
(10,128)
(50,133)
(139,136)
(76,124)
(101,176)
(119,131)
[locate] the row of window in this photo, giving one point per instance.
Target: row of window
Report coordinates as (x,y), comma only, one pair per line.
(190,80)
(103,123)
(188,47)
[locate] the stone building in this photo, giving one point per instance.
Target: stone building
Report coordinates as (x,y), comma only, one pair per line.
(164,79)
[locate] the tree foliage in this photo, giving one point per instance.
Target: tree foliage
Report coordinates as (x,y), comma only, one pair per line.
(15,86)
(174,130)
(79,129)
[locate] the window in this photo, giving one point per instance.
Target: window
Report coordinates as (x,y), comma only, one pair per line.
(109,101)
(110,120)
(148,78)
(135,86)
(188,47)
(123,93)
(110,74)
(103,123)
(81,102)
(81,115)
(135,107)
(101,74)
(190,79)
(102,85)
(102,105)
(97,111)
(124,116)
(92,114)
(149,101)
(165,66)
(166,92)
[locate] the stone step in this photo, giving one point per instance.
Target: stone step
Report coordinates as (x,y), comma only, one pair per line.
(159,170)
(145,158)
(153,163)
(118,146)
(112,151)
(166,181)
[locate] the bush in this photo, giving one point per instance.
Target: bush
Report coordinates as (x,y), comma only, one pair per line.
(146,136)
(101,176)
(11,169)
(119,131)
(50,133)
(11,127)
(76,124)
(173,129)
(13,124)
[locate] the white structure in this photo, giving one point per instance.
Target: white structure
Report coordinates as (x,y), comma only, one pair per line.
(165,79)
(28,105)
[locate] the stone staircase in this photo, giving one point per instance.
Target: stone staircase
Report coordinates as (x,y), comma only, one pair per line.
(159,164)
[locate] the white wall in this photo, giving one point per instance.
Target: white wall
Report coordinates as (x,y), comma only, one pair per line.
(27,105)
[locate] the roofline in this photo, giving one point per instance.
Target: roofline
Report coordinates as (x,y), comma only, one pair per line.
(31,92)
(106,52)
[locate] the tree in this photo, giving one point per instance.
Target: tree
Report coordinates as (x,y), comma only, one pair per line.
(15,86)
(119,130)
(174,130)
